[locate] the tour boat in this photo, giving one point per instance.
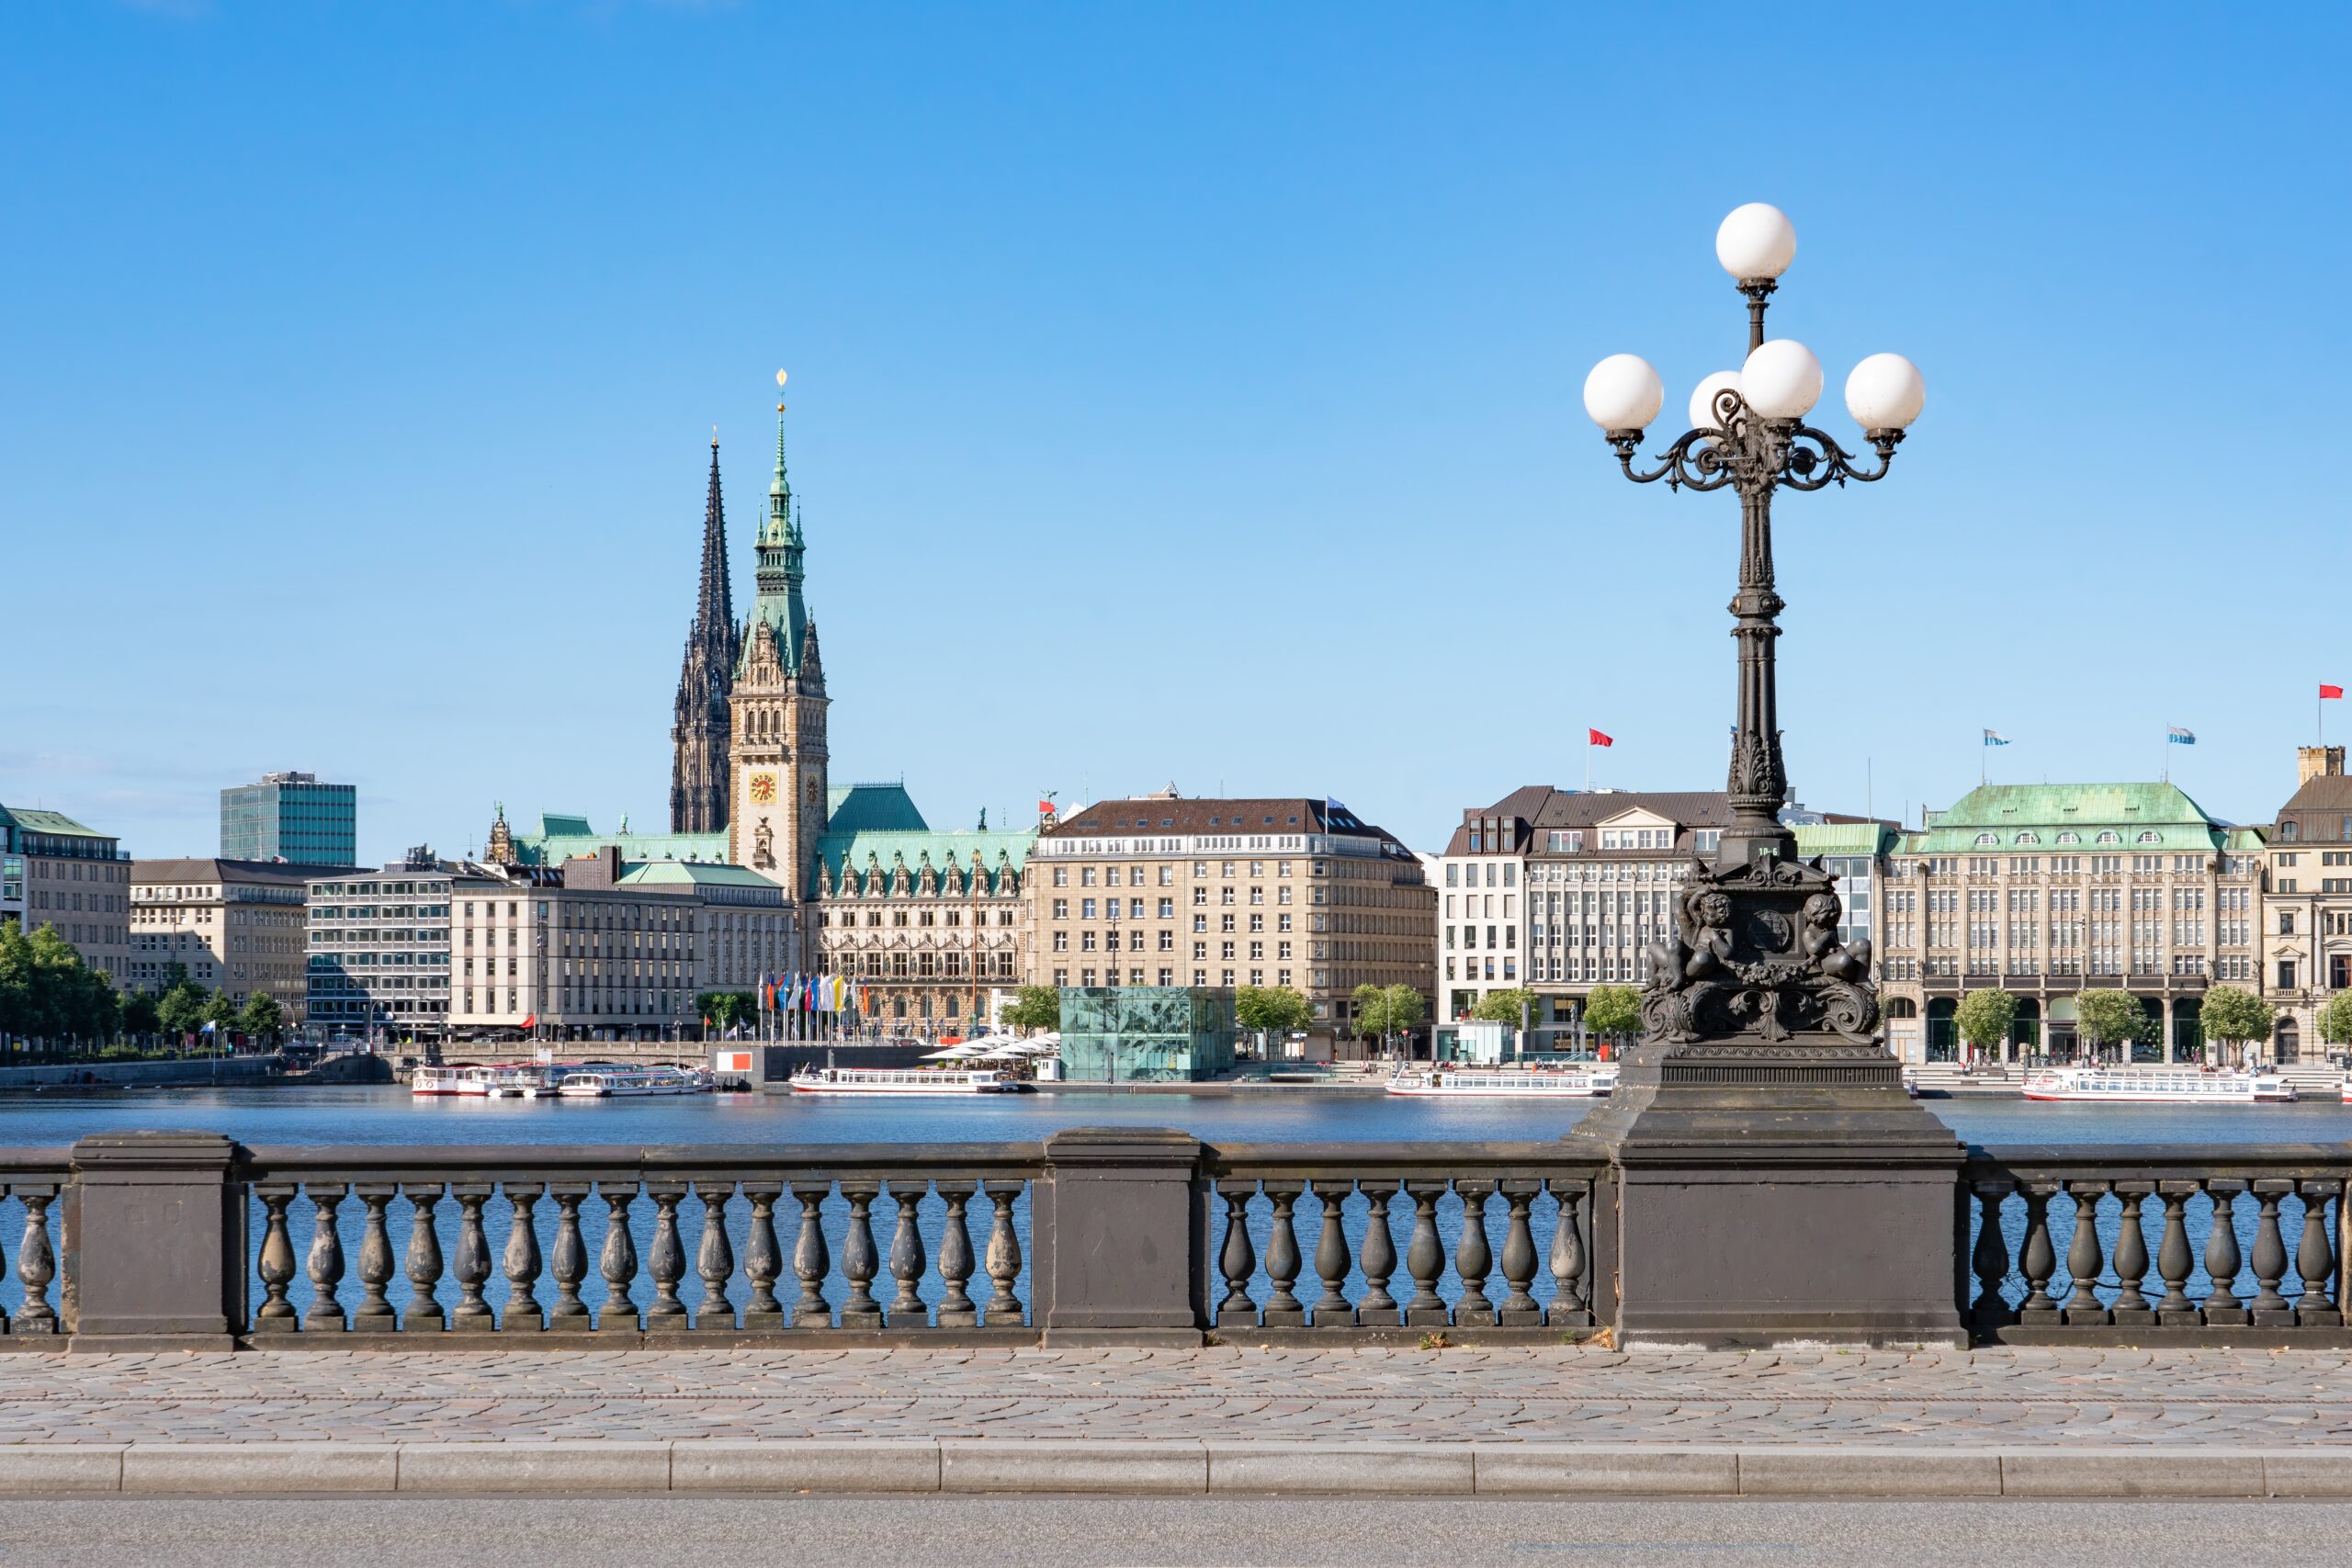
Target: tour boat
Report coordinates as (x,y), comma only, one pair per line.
(900,1080)
(427,1081)
(1581,1083)
(2172,1085)
(608,1083)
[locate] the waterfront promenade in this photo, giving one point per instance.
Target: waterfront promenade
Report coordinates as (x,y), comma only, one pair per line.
(1520,1421)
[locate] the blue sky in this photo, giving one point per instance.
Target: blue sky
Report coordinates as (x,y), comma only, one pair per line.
(1181,393)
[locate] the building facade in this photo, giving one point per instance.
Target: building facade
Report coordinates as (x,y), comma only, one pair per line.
(379,961)
(70,876)
(292,818)
(2048,891)
(699,731)
(1221,894)
(2306,917)
(235,926)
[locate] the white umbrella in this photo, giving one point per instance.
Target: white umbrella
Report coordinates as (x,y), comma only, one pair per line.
(952,1054)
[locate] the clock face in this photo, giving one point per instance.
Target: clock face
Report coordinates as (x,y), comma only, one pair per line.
(763,788)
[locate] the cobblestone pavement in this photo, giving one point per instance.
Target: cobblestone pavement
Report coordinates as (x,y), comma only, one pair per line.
(2269,1399)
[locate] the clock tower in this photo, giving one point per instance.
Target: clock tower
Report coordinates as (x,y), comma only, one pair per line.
(777,741)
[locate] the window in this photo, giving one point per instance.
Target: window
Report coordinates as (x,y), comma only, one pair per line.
(1987,841)
(2150,837)
(2027,839)
(2070,838)
(2109,836)
(2286,924)
(2286,974)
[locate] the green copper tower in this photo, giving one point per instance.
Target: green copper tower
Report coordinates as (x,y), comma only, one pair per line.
(779,612)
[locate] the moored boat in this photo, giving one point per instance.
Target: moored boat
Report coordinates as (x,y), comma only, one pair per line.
(900,1080)
(1581,1083)
(2169,1085)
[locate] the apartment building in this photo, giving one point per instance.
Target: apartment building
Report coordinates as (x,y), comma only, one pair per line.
(56,871)
(2306,917)
(234,926)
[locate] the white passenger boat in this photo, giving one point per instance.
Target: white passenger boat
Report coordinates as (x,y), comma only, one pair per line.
(1580,1083)
(425,1082)
(2171,1085)
(607,1083)
(900,1080)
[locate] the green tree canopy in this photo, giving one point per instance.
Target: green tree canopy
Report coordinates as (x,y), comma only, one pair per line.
(2232,1015)
(1613,1010)
(2335,1019)
(1383,1011)
(139,1015)
(1272,1010)
(1984,1017)
(2113,1018)
(47,992)
(727,1009)
(1035,1007)
(181,1007)
(262,1018)
(1503,1007)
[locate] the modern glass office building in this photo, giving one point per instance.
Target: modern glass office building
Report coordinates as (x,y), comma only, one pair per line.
(290,816)
(1145,1034)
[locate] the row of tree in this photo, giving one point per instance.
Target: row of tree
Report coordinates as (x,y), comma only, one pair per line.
(49,995)
(2230,1016)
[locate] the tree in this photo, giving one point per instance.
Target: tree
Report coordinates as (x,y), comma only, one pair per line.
(1511,1006)
(1614,1012)
(1035,1007)
(2234,1015)
(2335,1019)
(222,1014)
(48,993)
(1269,1011)
(2112,1018)
(139,1015)
(1984,1018)
(180,1010)
(1383,1011)
(725,1009)
(262,1018)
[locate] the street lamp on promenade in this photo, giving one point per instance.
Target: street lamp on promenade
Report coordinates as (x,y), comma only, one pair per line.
(1760,1069)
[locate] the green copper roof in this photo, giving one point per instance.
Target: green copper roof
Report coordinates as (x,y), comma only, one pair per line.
(1844,839)
(857,808)
(692,873)
(52,822)
(864,851)
(563,836)
(2145,816)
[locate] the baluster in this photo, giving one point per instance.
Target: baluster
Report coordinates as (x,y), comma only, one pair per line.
(1004,1257)
(424,1263)
(2221,1258)
(616,1259)
(1472,1258)
(715,1259)
(35,1265)
(4,1264)
(859,1261)
(374,1313)
(325,1261)
(763,1259)
(1990,1261)
(2315,1261)
(2083,1258)
(956,1308)
(1236,1259)
(1331,1260)
(2173,1260)
(521,1260)
(2131,1309)
(472,1266)
(665,1314)
(2037,1258)
(568,1263)
(1570,1307)
(1425,1258)
(811,1259)
(275,1314)
(907,1263)
(1379,1259)
(2270,1310)
(1283,1310)
(1520,1308)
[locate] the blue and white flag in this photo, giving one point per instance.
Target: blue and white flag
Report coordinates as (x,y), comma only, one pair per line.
(211,1026)
(2176,736)
(1995,738)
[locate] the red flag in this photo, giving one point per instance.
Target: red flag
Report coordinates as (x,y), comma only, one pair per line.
(531,1021)
(2327,691)
(1045,808)
(1594,737)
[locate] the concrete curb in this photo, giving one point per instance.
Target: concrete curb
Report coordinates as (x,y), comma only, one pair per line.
(1086,1466)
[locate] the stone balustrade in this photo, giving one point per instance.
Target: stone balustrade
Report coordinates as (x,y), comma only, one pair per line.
(1104,1236)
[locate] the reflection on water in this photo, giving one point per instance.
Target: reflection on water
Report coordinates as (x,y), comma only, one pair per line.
(370,1115)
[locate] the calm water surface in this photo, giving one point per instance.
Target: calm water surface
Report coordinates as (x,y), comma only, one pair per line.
(354,1115)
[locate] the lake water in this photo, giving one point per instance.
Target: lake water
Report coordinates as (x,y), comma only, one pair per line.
(387,1115)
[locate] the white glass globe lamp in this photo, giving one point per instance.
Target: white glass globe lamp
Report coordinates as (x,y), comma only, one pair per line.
(1624,393)
(1702,398)
(1885,392)
(1781,379)
(1755,241)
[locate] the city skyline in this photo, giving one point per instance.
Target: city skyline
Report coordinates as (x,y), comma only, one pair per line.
(1191,345)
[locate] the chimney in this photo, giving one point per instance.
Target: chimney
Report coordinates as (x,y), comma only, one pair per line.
(2318,761)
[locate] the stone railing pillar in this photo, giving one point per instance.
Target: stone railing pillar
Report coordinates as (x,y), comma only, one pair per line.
(154,1238)
(1119,1238)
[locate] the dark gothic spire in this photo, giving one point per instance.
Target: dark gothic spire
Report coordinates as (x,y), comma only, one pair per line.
(716,604)
(699,736)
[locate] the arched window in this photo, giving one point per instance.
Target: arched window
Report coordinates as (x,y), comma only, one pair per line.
(1987,841)
(2151,837)
(2070,838)
(2029,838)
(1902,1007)
(2110,836)
(2291,830)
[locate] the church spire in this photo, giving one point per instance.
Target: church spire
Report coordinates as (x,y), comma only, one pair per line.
(698,734)
(714,603)
(779,613)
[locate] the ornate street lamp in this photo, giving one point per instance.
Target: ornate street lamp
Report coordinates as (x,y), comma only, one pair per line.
(1760,1119)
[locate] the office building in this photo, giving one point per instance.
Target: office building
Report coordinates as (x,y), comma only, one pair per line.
(55,871)
(234,926)
(291,818)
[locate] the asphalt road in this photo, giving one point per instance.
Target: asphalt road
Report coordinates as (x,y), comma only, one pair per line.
(1063,1532)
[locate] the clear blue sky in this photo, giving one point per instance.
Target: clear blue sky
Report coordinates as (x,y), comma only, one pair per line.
(1182,392)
